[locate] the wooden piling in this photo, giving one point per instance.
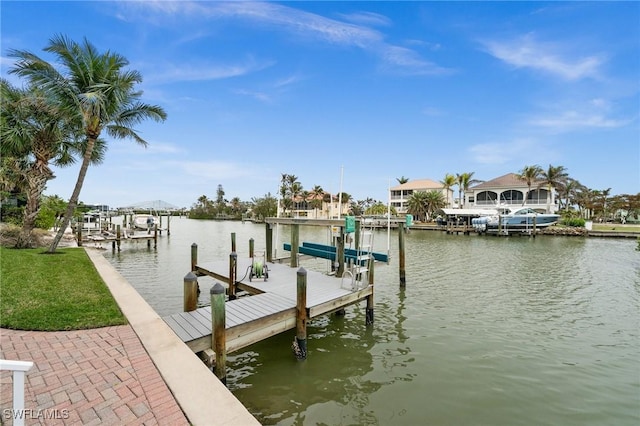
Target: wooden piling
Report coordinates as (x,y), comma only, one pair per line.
(168,225)
(233,271)
(219,334)
(194,256)
(295,242)
(340,253)
(401,257)
(369,311)
(233,242)
(269,241)
(251,246)
(301,315)
(190,293)
(118,236)
(155,236)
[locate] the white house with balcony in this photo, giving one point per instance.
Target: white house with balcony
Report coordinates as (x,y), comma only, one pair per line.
(510,190)
(399,195)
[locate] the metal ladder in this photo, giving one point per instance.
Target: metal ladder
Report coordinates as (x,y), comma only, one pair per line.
(356,277)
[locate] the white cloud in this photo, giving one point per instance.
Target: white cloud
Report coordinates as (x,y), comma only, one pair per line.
(305,25)
(574,120)
(503,152)
(551,58)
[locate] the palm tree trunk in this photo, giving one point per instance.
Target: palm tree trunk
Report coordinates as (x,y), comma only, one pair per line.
(73,201)
(36,184)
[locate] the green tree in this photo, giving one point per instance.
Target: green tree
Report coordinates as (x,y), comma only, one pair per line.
(553,177)
(264,207)
(417,205)
(95,89)
(529,174)
(317,193)
(447,183)
(434,201)
(35,133)
(464,181)
(402,180)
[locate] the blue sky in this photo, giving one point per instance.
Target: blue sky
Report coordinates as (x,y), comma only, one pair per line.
(370,91)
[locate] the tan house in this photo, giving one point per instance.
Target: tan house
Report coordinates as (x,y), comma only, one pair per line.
(329,209)
(399,195)
(510,190)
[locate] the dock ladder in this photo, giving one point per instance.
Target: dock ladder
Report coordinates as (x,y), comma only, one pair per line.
(356,277)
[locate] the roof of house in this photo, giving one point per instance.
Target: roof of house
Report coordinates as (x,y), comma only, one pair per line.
(507,181)
(418,184)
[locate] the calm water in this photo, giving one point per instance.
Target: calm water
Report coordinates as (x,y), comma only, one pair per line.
(489,331)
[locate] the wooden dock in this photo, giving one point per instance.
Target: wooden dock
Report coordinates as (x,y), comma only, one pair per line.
(270,307)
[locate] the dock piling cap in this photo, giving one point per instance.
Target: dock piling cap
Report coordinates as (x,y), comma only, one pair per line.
(190,276)
(217,289)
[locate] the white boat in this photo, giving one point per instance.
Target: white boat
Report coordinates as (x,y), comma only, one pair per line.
(144,221)
(515,218)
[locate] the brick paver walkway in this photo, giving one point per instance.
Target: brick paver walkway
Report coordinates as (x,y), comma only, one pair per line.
(90,377)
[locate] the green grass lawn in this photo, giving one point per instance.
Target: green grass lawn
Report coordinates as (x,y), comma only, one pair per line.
(615,227)
(49,292)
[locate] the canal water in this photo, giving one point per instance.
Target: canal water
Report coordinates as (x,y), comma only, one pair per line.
(489,331)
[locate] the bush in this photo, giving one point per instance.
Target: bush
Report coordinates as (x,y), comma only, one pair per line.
(573,221)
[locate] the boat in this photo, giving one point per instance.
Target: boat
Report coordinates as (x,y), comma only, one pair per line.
(144,221)
(520,219)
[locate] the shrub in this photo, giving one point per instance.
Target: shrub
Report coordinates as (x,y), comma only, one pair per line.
(573,221)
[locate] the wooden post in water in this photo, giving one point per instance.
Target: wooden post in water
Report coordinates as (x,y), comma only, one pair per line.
(535,223)
(168,225)
(499,224)
(233,242)
(403,276)
(369,311)
(300,346)
(194,256)
(118,236)
(218,331)
(269,241)
(251,246)
(295,242)
(155,236)
(190,293)
(340,253)
(233,264)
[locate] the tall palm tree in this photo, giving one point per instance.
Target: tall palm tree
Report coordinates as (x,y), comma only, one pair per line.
(96,89)
(529,174)
(36,133)
(402,180)
(447,183)
(553,177)
(464,181)
(317,193)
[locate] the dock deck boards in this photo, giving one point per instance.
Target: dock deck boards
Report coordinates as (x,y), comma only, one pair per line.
(269,310)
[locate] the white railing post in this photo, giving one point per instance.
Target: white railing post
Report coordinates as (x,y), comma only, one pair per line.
(19,369)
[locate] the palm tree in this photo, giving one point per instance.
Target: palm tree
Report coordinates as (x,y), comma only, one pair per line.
(35,132)
(553,177)
(95,89)
(464,181)
(529,174)
(402,180)
(317,194)
(434,200)
(447,183)
(417,205)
